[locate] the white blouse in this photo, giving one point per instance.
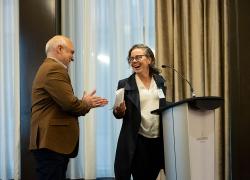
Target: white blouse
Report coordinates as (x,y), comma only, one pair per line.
(149,100)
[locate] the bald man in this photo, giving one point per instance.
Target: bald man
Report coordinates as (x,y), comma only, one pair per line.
(55,110)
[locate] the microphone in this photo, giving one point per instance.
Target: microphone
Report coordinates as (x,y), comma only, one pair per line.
(191,88)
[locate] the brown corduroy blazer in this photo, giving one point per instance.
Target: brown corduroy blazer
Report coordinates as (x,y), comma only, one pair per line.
(55,110)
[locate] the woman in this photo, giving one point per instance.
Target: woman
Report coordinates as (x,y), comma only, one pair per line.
(140,145)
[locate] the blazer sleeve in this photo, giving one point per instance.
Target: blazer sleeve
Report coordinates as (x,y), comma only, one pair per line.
(58,85)
(121,84)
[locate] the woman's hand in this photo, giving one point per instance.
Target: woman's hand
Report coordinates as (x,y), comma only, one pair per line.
(120,110)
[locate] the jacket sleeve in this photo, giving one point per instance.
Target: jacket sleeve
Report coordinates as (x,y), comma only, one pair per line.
(121,84)
(58,85)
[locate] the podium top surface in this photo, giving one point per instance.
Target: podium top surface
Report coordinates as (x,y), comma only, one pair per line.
(201,103)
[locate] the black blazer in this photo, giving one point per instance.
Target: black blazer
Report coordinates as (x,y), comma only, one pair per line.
(130,126)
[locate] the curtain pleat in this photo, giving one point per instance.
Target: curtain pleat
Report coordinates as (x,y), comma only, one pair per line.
(9,91)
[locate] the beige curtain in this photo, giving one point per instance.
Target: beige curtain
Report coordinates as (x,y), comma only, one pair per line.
(192,37)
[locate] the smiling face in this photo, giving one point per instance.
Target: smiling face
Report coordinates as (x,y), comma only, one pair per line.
(139,61)
(60,48)
(67,52)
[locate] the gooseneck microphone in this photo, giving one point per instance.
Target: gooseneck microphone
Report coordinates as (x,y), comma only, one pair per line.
(191,88)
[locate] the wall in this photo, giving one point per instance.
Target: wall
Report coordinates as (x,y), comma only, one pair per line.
(39,20)
(240,89)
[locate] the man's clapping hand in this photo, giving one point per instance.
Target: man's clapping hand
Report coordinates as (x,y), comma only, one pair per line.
(94,101)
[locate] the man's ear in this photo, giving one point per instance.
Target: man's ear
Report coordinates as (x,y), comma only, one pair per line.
(59,49)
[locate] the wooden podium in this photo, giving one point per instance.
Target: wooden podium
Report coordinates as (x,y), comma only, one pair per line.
(188,132)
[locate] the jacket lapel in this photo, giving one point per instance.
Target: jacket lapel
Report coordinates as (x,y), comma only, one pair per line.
(62,69)
(160,82)
(132,91)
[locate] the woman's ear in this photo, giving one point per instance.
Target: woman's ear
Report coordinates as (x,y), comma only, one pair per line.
(152,62)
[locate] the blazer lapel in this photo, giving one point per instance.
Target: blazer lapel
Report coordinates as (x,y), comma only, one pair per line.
(160,82)
(62,69)
(132,91)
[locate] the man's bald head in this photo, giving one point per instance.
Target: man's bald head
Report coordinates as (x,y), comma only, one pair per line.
(60,48)
(56,41)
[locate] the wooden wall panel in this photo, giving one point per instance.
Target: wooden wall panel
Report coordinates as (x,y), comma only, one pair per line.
(240,88)
(39,20)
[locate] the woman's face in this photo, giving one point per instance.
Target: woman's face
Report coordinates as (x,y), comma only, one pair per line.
(139,61)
